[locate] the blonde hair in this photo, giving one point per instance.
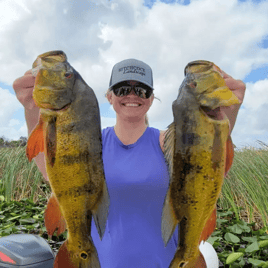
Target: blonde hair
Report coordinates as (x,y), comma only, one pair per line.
(109,91)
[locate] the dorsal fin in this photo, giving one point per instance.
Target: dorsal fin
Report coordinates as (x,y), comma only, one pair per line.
(169,146)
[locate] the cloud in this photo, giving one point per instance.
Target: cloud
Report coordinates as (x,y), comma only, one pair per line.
(252,121)
(107,122)
(8,106)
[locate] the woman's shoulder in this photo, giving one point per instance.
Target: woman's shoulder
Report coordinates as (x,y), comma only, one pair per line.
(106,131)
(161,134)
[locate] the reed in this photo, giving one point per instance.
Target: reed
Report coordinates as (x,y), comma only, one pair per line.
(19,178)
(245,188)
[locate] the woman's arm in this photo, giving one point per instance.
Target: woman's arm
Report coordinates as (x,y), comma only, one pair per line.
(23,88)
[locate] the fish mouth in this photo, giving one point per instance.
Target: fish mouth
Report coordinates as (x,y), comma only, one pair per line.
(215,114)
(198,66)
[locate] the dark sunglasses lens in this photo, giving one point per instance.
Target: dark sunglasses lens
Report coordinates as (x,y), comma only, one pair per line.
(144,93)
(121,91)
(141,91)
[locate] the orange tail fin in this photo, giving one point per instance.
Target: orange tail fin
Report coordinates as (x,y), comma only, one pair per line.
(77,258)
(53,217)
(229,155)
(35,144)
(209,227)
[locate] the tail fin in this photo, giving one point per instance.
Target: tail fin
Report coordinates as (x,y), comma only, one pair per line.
(179,262)
(77,258)
(53,217)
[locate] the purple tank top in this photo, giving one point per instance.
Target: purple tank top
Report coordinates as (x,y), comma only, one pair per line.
(137,181)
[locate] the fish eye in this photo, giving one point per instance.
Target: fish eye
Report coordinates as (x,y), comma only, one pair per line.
(68,75)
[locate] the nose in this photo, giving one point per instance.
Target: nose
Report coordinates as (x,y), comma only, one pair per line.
(132,92)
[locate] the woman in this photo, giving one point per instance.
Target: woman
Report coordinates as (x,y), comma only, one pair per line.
(134,165)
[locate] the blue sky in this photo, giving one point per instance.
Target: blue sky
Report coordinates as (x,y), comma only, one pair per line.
(165,34)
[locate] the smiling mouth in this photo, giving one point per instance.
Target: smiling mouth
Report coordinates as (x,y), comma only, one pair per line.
(131,104)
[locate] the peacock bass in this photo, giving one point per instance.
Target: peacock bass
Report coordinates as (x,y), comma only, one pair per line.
(69,133)
(196,147)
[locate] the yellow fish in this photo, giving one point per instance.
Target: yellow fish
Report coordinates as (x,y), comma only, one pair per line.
(196,147)
(69,133)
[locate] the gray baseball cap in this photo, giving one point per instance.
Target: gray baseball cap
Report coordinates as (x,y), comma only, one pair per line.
(132,69)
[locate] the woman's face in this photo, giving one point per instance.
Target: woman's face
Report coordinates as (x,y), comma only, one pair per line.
(130,106)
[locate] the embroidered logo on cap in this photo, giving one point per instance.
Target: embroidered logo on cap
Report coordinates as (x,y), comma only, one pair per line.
(132,69)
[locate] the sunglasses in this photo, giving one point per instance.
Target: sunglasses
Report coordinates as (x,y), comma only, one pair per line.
(124,88)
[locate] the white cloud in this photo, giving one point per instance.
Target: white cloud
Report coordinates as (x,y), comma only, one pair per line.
(14,122)
(107,122)
(8,106)
(252,121)
(97,34)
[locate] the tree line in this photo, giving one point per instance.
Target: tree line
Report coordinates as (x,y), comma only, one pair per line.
(14,143)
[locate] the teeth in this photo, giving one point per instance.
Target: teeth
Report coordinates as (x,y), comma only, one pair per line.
(131,104)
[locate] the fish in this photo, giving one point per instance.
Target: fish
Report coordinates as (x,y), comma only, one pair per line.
(69,134)
(199,152)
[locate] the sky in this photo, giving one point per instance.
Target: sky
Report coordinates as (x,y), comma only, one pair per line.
(166,34)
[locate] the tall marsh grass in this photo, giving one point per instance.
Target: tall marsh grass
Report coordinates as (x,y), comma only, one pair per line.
(18,177)
(244,187)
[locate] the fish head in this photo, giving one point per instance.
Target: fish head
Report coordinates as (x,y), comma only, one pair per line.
(54,81)
(203,76)
(205,82)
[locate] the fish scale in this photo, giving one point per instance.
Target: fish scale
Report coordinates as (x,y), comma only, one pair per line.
(195,151)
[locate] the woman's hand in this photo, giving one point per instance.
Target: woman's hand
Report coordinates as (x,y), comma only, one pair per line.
(238,87)
(23,87)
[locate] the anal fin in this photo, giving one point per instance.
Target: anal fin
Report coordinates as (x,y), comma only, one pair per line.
(100,214)
(169,220)
(54,218)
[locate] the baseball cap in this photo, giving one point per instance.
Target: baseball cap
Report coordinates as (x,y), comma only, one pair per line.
(132,69)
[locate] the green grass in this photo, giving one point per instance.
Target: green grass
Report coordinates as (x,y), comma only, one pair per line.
(18,177)
(241,236)
(246,186)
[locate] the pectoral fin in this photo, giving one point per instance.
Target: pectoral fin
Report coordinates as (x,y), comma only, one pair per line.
(221,96)
(35,143)
(54,219)
(51,141)
(209,227)
(100,213)
(229,155)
